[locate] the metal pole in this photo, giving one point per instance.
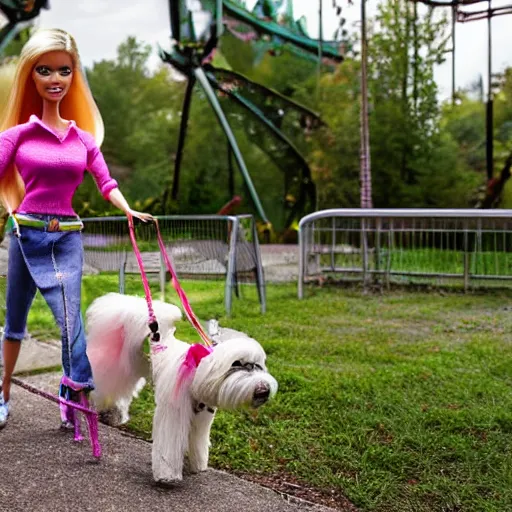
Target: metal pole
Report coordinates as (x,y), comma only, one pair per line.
(185,113)
(231,267)
(260,277)
(489,123)
(122,272)
(320,40)
(365,176)
(466,255)
(210,94)
(231,174)
(220,25)
(364,251)
(163,277)
(7,34)
(454,20)
(302,259)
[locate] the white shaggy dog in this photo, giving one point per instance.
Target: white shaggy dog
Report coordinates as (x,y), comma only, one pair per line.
(190,381)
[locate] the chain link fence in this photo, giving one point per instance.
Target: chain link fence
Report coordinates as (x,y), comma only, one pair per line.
(200,247)
(470,248)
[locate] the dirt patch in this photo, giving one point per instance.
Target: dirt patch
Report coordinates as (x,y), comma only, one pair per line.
(291,487)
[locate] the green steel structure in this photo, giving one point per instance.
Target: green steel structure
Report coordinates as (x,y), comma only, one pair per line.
(18,12)
(269,118)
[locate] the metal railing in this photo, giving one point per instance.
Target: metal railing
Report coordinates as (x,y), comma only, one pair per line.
(472,247)
(200,247)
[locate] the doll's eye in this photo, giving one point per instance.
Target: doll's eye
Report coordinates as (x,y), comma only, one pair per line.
(65,71)
(43,70)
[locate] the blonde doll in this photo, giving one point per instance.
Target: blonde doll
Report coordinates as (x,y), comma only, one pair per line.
(50,134)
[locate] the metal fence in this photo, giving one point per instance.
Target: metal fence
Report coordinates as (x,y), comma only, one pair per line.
(200,247)
(466,247)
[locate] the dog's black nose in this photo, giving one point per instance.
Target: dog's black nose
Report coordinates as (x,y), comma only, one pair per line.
(261,394)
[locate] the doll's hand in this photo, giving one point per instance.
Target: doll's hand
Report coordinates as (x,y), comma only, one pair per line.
(144,217)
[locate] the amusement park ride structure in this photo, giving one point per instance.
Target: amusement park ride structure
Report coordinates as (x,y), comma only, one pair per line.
(271,28)
(462,12)
(18,13)
(273,119)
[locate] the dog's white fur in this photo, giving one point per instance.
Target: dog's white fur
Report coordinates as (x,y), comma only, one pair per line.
(233,375)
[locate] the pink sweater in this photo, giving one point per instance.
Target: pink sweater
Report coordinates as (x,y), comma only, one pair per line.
(52,165)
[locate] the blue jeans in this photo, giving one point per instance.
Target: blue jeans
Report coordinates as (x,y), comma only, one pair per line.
(50,262)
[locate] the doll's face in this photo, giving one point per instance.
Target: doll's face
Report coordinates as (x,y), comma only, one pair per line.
(52,75)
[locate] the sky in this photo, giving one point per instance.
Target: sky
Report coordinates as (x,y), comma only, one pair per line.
(99,26)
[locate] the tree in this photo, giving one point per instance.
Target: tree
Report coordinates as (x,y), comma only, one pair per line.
(140,111)
(465,122)
(410,155)
(334,151)
(496,194)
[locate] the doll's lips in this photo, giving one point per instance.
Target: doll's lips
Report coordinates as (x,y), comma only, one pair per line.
(54,90)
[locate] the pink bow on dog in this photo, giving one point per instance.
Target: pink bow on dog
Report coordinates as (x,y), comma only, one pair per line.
(189,365)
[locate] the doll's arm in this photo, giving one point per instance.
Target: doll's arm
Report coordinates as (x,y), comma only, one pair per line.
(118,200)
(107,185)
(7,153)
(98,168)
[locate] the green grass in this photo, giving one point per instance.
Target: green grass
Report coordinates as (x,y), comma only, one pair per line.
(430,260)
(401,402)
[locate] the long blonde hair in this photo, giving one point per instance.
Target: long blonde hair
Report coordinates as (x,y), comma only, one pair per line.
(24,100)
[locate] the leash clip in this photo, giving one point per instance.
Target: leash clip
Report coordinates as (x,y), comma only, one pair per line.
(155,335)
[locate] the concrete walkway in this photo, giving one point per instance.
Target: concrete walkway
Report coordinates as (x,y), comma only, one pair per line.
(43,470)
(36,355)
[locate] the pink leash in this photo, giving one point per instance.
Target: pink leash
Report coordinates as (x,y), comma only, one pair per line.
(90,415)
(153,324)
(191,361)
